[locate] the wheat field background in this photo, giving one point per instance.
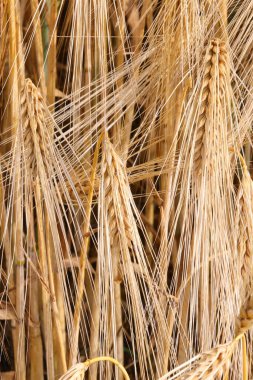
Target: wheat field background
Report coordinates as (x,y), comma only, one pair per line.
(126,197)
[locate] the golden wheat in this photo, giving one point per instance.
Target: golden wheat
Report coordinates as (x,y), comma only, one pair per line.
(125,189)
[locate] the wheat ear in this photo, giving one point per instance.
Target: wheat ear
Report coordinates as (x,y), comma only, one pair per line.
(37,142)
(213,363)
(120,252)
(215,69)
(33,125)
(244,242)
(36,138)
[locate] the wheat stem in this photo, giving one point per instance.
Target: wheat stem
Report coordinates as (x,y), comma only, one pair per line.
(83,258)
(89,362)
(35,340)
(46,302)
(38,46)
(51,55)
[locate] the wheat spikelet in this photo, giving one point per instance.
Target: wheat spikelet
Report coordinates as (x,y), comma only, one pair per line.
(245,228)
(35,135)
(212,364)
(215,71)
(244,220)
(112,172)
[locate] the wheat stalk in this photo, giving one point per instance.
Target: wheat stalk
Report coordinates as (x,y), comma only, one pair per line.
(79,369)
(83,260)
(19,341)
(37,145)
(33,127)
(4,36)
